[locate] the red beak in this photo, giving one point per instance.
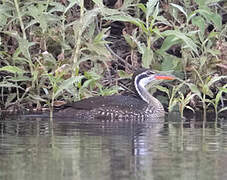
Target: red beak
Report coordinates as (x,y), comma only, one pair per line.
(165,77)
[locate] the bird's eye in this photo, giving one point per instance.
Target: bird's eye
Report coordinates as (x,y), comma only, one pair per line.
(149,73)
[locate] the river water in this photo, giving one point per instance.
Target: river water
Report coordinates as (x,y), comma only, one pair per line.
(34,148)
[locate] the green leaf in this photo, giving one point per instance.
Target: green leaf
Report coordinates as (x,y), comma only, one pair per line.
(200,23)
(223,89)
(154,15)
(189,107)
(100,49)
(87,83)
(10,98)
(57,7)
(22,78)
(168,43)
(207,91)
(66,84)
(169,62)
(37,12)
(9,85)
(163,20)
(211,17)
(126,18)
(201,3)
(12,69)
(194,89)
(150,7)
(217,20)
(142,7)
(37,98)
(222,109)
(123,75)
(24,46)
(147,57)
(180,8)
(163,89)
(188,41)
(89,17)
(218,97)
(129,40)
(72,3)
(98,2)
(215,79)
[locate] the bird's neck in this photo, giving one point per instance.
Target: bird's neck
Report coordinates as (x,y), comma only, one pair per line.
(147,97)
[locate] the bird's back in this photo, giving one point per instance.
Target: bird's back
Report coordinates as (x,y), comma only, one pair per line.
(115,106)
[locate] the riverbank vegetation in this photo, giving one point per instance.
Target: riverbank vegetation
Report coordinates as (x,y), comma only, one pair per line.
(58,51)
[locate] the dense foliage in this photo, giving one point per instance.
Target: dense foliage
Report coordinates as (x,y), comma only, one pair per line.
(57,51)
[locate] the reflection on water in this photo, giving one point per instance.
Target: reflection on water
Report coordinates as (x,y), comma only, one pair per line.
(36,148)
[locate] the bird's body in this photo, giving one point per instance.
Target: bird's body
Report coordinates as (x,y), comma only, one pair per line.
(119,107)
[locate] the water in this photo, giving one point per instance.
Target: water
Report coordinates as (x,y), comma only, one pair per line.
(37,149)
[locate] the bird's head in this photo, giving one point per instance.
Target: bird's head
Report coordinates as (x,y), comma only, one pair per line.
(146,76)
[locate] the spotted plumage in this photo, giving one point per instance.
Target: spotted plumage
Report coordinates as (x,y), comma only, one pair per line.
(120,107)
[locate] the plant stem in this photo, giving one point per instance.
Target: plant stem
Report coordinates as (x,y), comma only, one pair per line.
(204,108)
(20,18)
(78,38)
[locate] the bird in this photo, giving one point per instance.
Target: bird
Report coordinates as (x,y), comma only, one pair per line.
(142,106)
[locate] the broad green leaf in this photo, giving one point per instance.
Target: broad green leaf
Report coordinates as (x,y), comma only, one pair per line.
(99,49)
(211,17)
(37,12)
(87,83)
(163,89)
(129,40)
(200,23)
(206,90)
(150,7)
(66,84)
(154,15)
(218,97)
(168,43)
(180,8)
(169,62)
(24,46)
(217,20)
(188,41)
(202,60)
(147,57)
(127,18)
(188,97)
(12,69)
(57,7)
(223,89)
(142,7)
(201,3)
(194,89)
